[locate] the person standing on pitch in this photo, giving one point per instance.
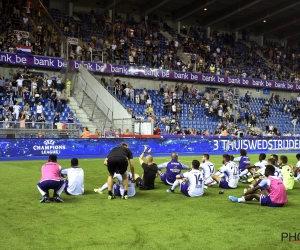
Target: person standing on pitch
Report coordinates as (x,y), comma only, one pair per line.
(51,179)
(118,159)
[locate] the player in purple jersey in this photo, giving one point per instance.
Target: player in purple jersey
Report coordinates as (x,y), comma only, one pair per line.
(173,168)
(243,160)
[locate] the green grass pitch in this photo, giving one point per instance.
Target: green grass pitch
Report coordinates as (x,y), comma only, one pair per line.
(151,220)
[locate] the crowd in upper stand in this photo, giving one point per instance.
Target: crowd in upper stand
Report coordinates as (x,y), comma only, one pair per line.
(125,41)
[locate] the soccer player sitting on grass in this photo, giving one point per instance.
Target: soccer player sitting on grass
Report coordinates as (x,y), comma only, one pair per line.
(150,170)
(173,168)
(227,176)
(260,174)
(297,168)
(208,167)
(287,173)
(119,188)
(194,187)
(51,179)
(251,170)
(273,191)
(75,182)
(244,160)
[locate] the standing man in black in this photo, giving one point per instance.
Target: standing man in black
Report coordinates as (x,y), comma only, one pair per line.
(118,159)
(150,170)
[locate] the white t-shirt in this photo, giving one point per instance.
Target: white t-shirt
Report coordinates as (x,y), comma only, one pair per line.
(131,188)
(39,109)
(75,179)
(208,169)
(127,90)
(20,82)
(49,82)
(196,182)
(231,172)
(174,108)
(261,164)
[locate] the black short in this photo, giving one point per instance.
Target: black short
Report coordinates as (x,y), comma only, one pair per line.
(140,184)
(117,164)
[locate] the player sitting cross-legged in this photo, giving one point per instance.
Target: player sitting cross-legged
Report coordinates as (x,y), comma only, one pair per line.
(118,189)
(173,168)
(146,182)
(273,191)
(75,181)
(194,187)
(227,176)
(251,170)
(208,167)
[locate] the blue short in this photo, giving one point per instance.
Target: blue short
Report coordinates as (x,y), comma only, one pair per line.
(224,184)
(266,201)
(66,188)
(163,178)
(51,184)
(184,188)
(116,188)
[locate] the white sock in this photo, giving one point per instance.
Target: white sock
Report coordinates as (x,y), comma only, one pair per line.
(41,191)
(209,180)
(242,199)
(59,191)
(105,186)
(175,184)
(244,172)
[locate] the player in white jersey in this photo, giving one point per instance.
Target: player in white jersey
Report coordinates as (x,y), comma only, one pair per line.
(75,182)
(297,168)
(251,170)
(118,188)
(227,176)
(207,167)
(195,185)
(260,174)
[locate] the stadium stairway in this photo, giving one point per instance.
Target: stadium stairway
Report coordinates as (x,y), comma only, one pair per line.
(86,109)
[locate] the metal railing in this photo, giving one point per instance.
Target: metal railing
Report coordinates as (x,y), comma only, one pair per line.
(88,92)
(16,129)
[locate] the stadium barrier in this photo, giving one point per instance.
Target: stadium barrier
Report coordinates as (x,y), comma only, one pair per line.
(126,70)
(163,145)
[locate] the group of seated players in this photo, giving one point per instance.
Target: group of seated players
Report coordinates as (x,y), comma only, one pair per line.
(269,178)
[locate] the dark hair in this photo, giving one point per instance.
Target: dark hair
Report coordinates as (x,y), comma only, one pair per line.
(226,157)
(196,164)
(272,161)
(231,157)
(275,156)
(124,144)
(270,169)
(74,162)
(298,156)
(243,152)
(52,158)
(206,156)
(284,159)
(262,156)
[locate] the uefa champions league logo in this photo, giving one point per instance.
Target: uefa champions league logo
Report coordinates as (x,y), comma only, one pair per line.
(49,147)
(49,142)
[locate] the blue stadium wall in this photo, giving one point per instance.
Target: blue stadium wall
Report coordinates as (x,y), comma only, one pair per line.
(165,145)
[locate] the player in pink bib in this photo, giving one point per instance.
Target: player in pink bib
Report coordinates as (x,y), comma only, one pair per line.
(273,192)
(51,179)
